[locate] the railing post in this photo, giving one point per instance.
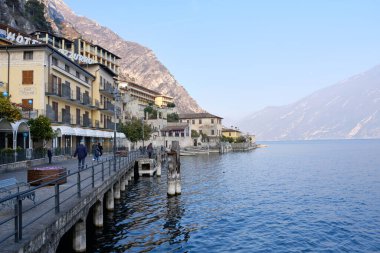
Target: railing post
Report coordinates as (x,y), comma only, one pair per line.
(18,219)
(56,198)
(119,162)
(93,176)
(114,163)
(78,185)
(109,167)
(102,171)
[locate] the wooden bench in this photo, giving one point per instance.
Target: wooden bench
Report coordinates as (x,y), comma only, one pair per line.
(9,186)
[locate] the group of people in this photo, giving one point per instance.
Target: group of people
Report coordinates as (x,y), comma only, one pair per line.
(149,149)
(97,151)
(81,152)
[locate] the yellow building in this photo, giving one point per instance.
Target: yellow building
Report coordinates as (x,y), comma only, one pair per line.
(231,133)
(103,89)
(163,100)
(47,83)
(97,53)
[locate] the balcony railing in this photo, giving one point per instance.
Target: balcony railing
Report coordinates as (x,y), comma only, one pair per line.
(108,106)
(62,118)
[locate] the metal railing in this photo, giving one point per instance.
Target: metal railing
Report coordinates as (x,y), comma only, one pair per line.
(20,155)
(14,224)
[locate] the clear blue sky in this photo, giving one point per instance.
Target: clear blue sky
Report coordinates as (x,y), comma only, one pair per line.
(236,57)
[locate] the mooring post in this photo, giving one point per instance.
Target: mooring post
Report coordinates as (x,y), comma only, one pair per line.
(158,165)
(175,146)
(171,173)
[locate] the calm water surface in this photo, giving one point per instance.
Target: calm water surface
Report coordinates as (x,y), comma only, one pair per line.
(289,197)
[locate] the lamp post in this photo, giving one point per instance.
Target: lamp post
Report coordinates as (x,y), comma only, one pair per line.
(142,129)
(116,96)
(30,102)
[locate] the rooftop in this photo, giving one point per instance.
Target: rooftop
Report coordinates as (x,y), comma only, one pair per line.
(175,127)
(201,115)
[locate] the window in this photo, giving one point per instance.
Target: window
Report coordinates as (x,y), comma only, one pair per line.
(188,121)
(200,121)
(193,121)
(212,132)
(86,79)
(27,104)
(28,55)
(27,77)
(212,121)
(55,61)
(77,74)
(229,134)
(67,68)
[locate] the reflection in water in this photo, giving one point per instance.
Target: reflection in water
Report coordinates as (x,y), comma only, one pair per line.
(312,196)
(175,211)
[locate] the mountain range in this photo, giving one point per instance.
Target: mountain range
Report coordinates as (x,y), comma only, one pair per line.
(139,64)
(349,109)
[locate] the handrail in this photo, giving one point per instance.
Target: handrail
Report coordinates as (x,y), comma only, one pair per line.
(92,175)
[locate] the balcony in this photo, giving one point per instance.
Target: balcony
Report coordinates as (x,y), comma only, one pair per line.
(107,89)
(86,99)
(62,90)
(61,118)
(108,106)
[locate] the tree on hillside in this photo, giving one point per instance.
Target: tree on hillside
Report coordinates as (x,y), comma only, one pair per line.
(40,129)
(170,105)
(8,111)
(36,11)
(134,130)
(172,117)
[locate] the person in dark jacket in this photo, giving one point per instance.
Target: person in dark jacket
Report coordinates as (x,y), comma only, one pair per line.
(81,152)
(95,152)
(100,148)
(49,154)
(150,150)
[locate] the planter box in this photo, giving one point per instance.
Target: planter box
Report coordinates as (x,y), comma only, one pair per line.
(37,176)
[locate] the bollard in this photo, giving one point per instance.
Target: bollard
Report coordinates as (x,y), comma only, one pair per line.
(158,172)
(171,176)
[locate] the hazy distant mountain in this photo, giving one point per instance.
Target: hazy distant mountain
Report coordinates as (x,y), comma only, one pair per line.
(348,109)
(138,63)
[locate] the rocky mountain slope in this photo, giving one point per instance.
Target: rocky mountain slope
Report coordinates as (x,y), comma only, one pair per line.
(138,63)
(348,109)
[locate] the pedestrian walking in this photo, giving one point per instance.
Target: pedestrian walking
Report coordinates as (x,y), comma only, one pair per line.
(49,154)
(100,148)
(150,150)
(81,152)
(95,152)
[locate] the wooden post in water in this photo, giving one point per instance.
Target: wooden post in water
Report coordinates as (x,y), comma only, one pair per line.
(158,165)
(174,177)
(175,146)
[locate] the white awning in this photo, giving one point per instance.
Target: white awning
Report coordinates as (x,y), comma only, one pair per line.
(65,130)
(80,131)
(120,135)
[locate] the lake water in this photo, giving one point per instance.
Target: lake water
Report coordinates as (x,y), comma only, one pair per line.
(312,196)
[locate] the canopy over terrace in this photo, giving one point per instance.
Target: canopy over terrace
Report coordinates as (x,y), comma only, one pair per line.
(13,135)
(71,136)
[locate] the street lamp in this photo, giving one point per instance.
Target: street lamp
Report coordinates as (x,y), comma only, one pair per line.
(30,102)
(116,96)
(142,129)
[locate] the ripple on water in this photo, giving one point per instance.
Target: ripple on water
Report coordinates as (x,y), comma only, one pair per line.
(290,197)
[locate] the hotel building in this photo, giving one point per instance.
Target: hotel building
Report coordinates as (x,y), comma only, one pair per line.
(46,82)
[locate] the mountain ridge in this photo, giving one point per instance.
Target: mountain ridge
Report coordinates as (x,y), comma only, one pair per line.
(345,110)
(139,64)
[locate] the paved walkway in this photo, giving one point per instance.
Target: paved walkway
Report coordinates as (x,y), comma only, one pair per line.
(37,216)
